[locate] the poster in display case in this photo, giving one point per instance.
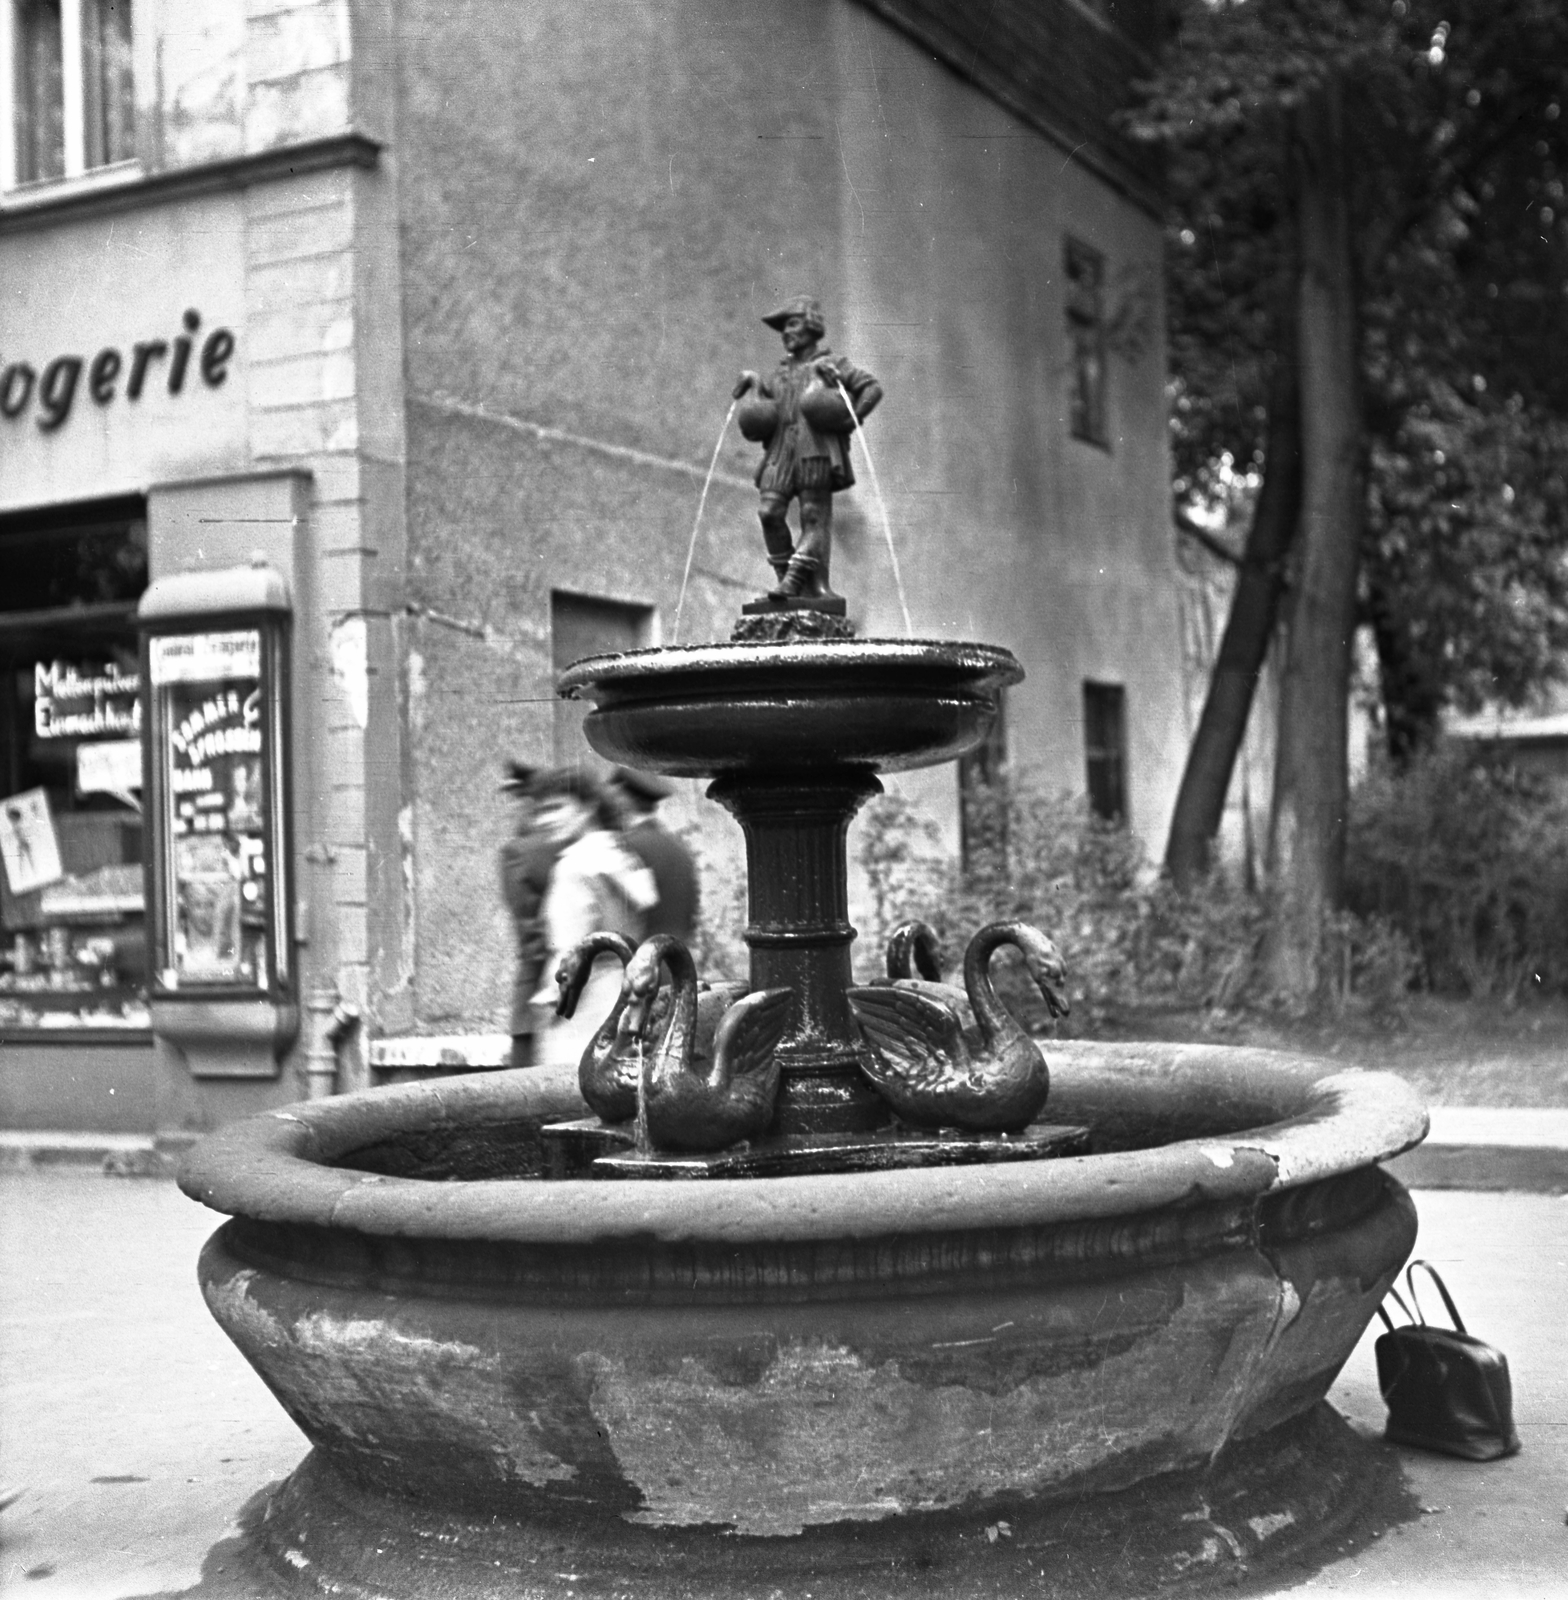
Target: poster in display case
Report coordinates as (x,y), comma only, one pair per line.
(217,780)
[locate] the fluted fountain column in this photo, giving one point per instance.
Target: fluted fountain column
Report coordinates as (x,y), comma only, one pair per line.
(799,934)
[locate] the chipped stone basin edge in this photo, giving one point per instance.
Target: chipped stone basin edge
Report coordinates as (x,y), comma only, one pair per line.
(1260,1120)
(780,1356)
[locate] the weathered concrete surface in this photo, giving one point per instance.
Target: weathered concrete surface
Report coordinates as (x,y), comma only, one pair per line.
(769,1418)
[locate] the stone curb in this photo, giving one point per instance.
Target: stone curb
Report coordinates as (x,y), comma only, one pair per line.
(116,1155)
(1495,1148)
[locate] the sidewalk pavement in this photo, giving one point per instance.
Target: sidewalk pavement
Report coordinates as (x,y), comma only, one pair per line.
(137,1432)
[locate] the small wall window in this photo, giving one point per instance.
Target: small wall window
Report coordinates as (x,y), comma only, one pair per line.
(1105,749)
(70,107)
(982,797)
(1086,342)
(581,625)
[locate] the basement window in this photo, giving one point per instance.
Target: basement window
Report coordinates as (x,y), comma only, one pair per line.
(1105,749)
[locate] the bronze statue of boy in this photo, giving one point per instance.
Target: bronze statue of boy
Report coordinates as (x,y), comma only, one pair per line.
(799,415)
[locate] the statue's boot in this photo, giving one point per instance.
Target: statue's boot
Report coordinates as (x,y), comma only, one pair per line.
(799,579)
(820,588)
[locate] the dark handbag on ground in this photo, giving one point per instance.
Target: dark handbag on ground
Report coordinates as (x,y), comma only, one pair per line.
(1445,1389)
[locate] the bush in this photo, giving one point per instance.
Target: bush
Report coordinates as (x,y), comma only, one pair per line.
(1130,938)
(1469,861)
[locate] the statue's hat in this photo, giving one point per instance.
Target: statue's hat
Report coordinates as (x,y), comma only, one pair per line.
(803,305)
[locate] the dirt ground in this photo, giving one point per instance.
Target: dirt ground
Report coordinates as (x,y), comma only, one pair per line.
(1456,1052)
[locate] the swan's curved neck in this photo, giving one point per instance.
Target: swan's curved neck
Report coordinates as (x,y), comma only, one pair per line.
(992,1016)
(680,1033)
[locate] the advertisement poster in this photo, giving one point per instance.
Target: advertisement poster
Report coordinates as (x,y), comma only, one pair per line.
(210,689)
(28,845)
(85,700)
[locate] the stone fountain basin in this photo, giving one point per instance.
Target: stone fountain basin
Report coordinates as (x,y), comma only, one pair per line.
(776,1354)
(703,710)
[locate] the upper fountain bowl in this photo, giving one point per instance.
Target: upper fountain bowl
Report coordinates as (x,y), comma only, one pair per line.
(700,710)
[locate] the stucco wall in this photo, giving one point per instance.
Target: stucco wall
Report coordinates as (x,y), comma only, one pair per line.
(231,76)
(598,204)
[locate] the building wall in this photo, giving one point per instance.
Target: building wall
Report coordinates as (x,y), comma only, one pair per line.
(597,208)
(299,455)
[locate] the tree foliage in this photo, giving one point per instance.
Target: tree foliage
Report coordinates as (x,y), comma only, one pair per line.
(1459,147)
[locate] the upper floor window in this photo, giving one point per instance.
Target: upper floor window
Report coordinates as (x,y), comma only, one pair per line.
(1086,342)
(69,86)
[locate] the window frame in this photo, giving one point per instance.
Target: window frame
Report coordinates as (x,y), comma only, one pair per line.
(1105,750)
(76,172)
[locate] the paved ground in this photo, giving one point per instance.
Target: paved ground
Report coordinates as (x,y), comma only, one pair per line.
(138,1432)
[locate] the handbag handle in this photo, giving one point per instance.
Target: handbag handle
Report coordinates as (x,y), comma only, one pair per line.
(1442,1289)
(1388,1321)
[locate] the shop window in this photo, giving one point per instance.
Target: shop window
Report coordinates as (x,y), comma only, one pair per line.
(73,950)
(1105,749)
(982,797)
(581,625)
(1085,342)
(72,106)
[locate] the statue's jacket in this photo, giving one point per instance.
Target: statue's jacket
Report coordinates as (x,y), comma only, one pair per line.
(799,456)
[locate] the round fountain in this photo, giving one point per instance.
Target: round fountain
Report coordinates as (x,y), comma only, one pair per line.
(858,1351)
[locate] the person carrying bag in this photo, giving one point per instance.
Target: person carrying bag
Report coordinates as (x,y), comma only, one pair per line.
(1445,1389)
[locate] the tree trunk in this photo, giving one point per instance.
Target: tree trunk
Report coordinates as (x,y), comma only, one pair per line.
(1254,607)
(1412,703)
(1307,824)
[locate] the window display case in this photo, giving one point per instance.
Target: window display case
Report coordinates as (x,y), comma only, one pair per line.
(73,947)
(215,658)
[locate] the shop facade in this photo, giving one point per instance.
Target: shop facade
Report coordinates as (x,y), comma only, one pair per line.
(373,374)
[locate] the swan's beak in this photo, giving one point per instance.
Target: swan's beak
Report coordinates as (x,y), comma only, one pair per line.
(634,1019)
(566,1001)
(1051,976)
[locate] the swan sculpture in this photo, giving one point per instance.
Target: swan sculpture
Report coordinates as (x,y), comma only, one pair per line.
(607,1074)
(914,961)
(914,952)
(701,1094)
(936,1072)
(611,1065)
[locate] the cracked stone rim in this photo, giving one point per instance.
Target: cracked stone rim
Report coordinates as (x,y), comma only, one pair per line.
(1294,1120)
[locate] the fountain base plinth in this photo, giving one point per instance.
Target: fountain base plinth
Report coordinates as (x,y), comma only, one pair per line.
(789,622)
(1283,1503)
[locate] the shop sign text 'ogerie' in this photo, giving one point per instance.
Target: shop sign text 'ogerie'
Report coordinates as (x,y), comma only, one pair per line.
(51,393)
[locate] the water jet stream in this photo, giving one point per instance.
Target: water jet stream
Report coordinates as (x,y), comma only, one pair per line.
(691,549)
(887,526)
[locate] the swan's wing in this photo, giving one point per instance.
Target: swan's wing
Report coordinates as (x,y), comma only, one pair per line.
(948,995)
(712,1003)
(910,1027)
(750,1031)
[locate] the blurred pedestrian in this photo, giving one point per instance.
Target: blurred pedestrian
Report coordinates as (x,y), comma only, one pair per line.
(673,866)
(527,860)
(597,885)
